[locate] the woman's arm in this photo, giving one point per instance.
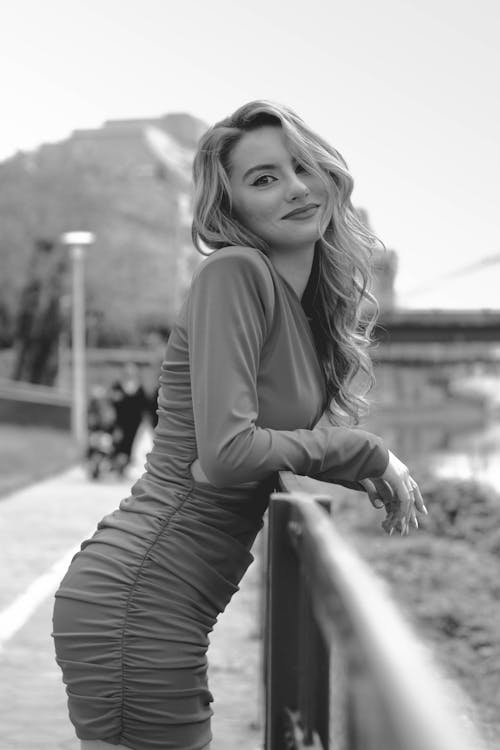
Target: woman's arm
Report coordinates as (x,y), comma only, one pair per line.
(395,490)
(229,314)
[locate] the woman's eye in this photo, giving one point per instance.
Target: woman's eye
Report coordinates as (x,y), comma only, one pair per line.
(265,179)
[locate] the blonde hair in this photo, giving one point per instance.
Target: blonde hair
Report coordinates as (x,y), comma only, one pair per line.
(344,309)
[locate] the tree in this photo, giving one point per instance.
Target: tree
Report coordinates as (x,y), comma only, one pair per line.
(39,320)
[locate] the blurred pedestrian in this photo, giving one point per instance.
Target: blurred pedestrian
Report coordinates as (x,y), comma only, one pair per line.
(156,344)
(104,434)
(258,377)
(130,403)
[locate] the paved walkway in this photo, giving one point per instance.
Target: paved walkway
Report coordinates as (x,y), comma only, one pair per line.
(40,528)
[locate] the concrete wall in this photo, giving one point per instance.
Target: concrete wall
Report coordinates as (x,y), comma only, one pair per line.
(31,405)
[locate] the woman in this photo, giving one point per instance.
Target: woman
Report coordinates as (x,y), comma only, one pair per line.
(258,377)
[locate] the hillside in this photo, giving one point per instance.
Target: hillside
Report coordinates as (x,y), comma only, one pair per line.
(111,182)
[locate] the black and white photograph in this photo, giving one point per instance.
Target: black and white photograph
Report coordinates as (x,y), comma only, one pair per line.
(250,375)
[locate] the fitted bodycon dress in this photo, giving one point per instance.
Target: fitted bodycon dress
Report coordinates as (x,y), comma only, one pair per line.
(241,389)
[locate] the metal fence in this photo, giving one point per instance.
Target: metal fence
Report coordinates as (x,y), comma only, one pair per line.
(343,670)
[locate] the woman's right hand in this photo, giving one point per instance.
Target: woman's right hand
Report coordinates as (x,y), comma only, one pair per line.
(399,494)
(197,472)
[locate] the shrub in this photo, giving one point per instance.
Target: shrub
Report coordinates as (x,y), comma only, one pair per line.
(445,579)
(462,509)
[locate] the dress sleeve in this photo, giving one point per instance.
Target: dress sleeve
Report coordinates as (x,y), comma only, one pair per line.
(229,314)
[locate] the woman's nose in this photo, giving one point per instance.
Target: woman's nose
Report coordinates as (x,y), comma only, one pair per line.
(297,188)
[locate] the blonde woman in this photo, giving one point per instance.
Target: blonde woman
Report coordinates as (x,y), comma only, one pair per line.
(258,376)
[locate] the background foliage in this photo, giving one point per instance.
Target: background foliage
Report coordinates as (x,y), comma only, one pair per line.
(445,577)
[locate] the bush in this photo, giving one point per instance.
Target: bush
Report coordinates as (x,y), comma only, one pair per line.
(445,580)
(462,509)
(458,509)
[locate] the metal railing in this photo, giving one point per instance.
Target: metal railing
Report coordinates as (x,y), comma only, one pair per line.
(343,670)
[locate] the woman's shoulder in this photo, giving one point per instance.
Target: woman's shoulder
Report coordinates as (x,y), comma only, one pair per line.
(235,278)
(240,261)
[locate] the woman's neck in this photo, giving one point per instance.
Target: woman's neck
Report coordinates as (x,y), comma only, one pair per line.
(294,266)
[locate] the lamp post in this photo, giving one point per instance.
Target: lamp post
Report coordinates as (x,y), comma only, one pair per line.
(77,242)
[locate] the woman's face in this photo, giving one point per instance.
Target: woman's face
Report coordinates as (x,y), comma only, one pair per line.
(272,195)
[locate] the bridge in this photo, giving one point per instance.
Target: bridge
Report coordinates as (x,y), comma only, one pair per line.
(448,326)
(437,336)
(432,333)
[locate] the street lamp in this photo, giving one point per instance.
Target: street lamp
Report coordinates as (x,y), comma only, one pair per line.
(77,242)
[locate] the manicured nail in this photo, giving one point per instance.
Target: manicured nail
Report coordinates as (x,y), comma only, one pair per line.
(425,510)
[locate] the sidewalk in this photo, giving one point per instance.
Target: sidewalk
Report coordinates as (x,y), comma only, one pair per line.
(39,527)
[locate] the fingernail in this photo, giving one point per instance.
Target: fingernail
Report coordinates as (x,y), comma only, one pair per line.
(425,510)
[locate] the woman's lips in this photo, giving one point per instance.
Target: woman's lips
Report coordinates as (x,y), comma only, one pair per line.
(302,213)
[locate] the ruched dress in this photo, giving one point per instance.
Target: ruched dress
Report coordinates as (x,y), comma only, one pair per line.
(241,389)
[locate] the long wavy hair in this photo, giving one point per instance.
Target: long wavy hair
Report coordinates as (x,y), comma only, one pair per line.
(344,310)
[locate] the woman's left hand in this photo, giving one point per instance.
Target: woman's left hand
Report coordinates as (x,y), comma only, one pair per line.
(399,514)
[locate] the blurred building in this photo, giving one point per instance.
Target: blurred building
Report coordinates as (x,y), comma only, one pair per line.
(127,182)
(385,266)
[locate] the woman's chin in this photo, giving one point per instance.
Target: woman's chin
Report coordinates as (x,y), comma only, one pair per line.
(310,229)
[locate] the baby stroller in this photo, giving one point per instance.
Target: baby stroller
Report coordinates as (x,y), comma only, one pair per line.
(104,435)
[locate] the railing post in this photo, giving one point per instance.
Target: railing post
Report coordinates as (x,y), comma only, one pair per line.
(281,625)
(314,677)
(314,657)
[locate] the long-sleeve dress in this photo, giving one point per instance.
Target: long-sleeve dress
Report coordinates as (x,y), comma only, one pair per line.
(241,389)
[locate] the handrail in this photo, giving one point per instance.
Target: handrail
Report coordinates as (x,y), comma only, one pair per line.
(344,671)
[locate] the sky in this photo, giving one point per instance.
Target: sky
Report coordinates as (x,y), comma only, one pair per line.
(406,90)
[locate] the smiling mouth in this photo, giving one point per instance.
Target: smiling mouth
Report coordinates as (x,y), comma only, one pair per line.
(303,212)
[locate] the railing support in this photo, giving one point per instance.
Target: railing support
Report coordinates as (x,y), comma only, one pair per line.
(297,657)
(281,627)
